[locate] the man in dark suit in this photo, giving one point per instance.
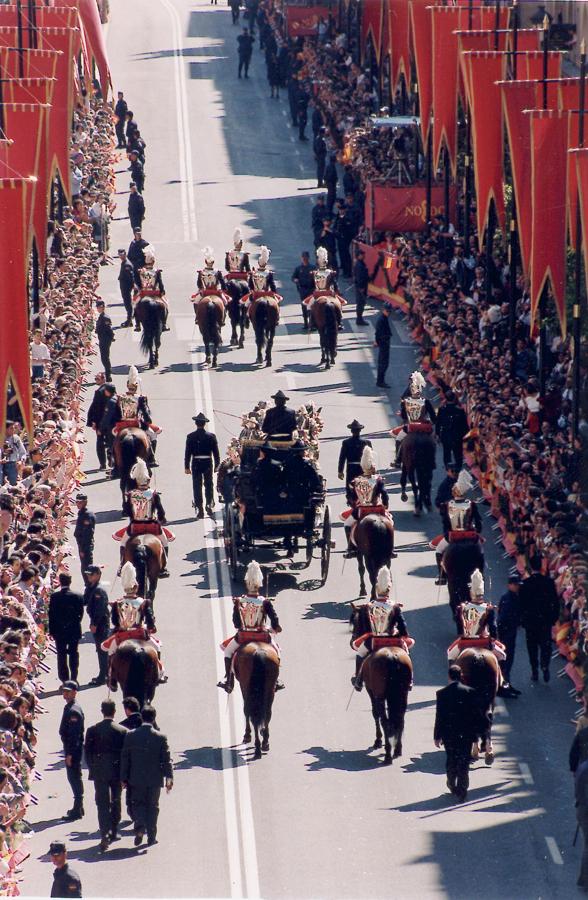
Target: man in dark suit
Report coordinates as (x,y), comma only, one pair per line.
(136,253)
(145,764)
(136,207)
(451,427)
(126,281)
(458,723)
(361,280)
(96,600)
(105,334)
(94,417)
(103,746)
(382,338)
(66,610)
(319,147)
(539,605)
(279,422)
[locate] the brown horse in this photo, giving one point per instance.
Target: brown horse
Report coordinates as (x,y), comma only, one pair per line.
(326,316)
(210,317)
(257,667)
(387,675)
(264,313)
(151,314)
(129,445)
(135,667)
(374,541)
(145,552)
(480,670)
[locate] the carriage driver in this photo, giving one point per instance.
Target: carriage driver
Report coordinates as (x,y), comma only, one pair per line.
(417,412)
(249,615)
(476,621)
(261,280)
(150,284)
(367,494)
(210,282)
(143,506)
(132,616)
(461,520)
(381,624)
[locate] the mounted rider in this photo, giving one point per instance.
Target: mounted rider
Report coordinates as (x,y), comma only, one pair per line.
(237,260)
(380,624)
(476,622)
(146,515)
(417,412)
(325,283)
(150,284)
(461,520)
(132,411)
(210,281)
(132,616)
(250,613)
(367,494)
(261,280)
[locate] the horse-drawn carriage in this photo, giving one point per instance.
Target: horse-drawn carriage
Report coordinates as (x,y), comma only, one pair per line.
(280,514)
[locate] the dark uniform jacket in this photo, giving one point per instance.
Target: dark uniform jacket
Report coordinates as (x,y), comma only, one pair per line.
(145,757)
(351,451)
(120,110)
(452,423)
(96,600)
(147,617)
(487,620)
(301,480)
(71,730)
(281,420)
(136,206)
(96,408)
(428,408)
(361,275)
(271,284)
(135,253)
(66,610)
(539,605)
(459,718)
(126,275)
(66,882)
(103,746)
(382,335)
(509,613)
(104,329)
(143,412)
(302,277)
(245,46)
(220,281)
(201,443)
(84,530)
(268,613)
(110,416)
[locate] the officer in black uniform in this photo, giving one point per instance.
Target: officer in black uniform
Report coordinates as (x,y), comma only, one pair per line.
(304,281)
(96,601)
(84,532)
(66,611)
(71,732)
(361,280)
(66,881)
(126,280)
(136,254)
(108,420)
(279,422)
(445,489)
(94,417)
(451,427)
(105,333)
(199,458)
(382,339)
(350,454)
(120,111)
(319,147)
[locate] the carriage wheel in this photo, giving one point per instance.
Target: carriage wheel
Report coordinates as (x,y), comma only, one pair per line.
(326,545)
(233,555)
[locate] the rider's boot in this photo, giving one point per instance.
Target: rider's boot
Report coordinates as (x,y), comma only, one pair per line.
(229,683)
(396,462)
(350,552)
(165,325)
(152,461)
(122,561)
(441,578)
(164,572)
(357,680)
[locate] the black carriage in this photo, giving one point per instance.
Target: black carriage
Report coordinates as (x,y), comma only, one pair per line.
(279,517)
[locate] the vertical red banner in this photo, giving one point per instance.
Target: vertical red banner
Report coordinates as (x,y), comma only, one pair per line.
(422,43)
(447,20)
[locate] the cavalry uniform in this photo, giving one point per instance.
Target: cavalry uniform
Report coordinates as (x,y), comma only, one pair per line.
(143,507)
(417,413)
(367,494)
(325,281)
(150,284)
(476,621)
(132,619)
(237,262)
(461,520)
(261,284)
(210,283)
(132,412)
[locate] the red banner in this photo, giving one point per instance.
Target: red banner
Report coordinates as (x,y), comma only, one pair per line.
(579,160)
(372,22)
(95,38)
(303,21)
(390,207)
(63,39)
(385,269)
(549,158)
(516,97)
(398,25)
(36,63)
(446,21)
(14,314)
(481,40)
(422,43)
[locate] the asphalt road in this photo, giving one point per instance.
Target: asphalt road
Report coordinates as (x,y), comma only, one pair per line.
(319,816)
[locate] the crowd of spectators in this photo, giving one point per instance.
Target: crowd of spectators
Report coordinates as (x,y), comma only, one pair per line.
(37,478)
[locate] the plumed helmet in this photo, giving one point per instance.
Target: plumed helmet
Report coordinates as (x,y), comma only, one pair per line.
(237,237)
(417,382)
(253,576)
(384,581)
(128,577)
(149,253)
(322,257)
(133,376)
(140,472)
(464,482)
(264,255)
(477,584)
(368,460)
(208,253)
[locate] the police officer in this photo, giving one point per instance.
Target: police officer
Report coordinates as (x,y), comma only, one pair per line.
(94,417)
(105,334)
(71,732)
(136,253)
(96,601)
(302,109)
(103,746)
(361,279)
(445,489)
(126,280)
(136,206)
(319,147)
(120,111)
(382,339)
(66,610)
(109,419)
(451,427)
(84,532)
(279,422)
(350,456)
(302,278)
(200,456)
(66,881)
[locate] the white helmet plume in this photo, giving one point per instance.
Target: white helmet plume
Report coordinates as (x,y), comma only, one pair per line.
(322,257)
(237,237)
(417,381)
(253,576)
(384,581)
(133,376)
(368,460)
(140,472)
(477,584)
(128,577)
(208,253)
(264,255)
(464,482)
(149,253)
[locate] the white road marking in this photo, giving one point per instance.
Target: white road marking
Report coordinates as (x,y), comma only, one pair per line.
(526,773)
(554,851)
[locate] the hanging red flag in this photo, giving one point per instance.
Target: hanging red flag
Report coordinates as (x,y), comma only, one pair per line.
(372,18)
(579,160)
(63,39)
(398,25)
(422,43)
(35,63)
(549,158)
(447,20)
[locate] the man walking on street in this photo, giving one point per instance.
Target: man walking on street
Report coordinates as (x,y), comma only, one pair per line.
(66,610)
(508,620)
(361,280)
(94,417)
(71,732)
(458,723)
(304,281)
(451,427)
(84,532)
(103,746)
(120,111)
(96,601)
(136,207)
(245,51)
(105,334)
(126,281)
(201,455)
(145,765)
(319,148)
(539,613)
(382,338)
(302,110)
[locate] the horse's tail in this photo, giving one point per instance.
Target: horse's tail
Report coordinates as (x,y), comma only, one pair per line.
(128,455)
(398,679)
(137,675)
(331,323)
(212,326)
(140,562)
(256,700)
(261,311)
(482,677)
(153,322)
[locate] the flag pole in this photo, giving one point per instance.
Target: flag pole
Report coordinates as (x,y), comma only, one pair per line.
(577,310)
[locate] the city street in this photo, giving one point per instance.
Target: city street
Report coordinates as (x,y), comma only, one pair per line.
(319,815)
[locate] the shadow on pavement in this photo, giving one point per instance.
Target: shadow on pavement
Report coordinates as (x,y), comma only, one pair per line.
(346,760)
(210,758)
